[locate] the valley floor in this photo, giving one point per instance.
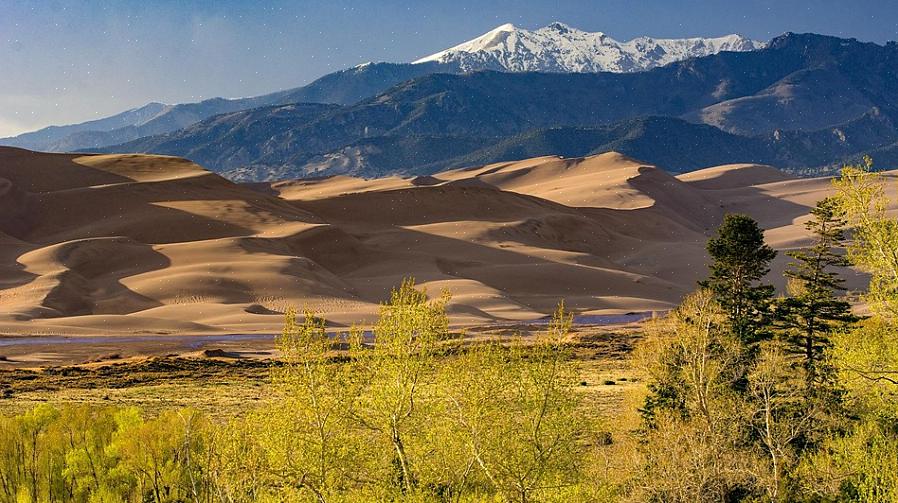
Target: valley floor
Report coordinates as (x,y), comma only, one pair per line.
(225,380)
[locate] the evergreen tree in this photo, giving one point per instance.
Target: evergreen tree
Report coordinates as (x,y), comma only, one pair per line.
(740,260)
(813,311)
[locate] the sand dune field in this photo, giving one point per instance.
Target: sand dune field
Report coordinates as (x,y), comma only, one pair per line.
(139,244)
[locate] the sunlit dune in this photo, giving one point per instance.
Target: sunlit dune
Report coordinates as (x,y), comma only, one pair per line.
(152,244)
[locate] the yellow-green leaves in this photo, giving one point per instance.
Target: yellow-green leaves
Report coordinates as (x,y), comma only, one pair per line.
(515,410)
(874,234)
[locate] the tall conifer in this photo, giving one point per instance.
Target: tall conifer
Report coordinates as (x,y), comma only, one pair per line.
(813,311)
(741,259)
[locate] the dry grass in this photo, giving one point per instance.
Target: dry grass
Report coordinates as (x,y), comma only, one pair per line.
(224,387)
(220,387)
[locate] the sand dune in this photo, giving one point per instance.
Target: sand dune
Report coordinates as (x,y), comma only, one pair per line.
(120,244)
(733,176)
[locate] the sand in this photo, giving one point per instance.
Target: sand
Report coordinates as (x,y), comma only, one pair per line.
(141,244)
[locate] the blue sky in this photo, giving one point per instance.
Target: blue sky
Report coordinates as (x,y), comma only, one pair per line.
(64,61)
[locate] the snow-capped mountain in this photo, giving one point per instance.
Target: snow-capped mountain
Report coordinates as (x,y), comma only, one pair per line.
(560,48)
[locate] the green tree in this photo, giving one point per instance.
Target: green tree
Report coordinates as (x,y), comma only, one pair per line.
(157,458)
(813,312)
(516,410)
(874,238)
(867,357)
(695,443)
(31,460)
(83,453)
(740,261)
(780,415)
(305,433)
(398,372)
(87,432)
(301,443)
(861,463)
(860,466)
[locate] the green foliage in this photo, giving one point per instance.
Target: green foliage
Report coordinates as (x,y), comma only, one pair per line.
(874,243)
(860,463)
(866,360)
(86,454)
(860,466)
(396,373)
(298,442)
(787,432)
(516,412)
(694,449)
(740,260)
(812,311)
(867,357)
(707,438)
(783,418)
(691,359)
(408,416)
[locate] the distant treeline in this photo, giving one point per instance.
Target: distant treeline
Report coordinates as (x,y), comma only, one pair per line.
(749,397)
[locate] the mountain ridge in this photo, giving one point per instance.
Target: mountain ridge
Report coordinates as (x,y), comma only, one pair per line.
(342,87)
(558,47)
(438,118)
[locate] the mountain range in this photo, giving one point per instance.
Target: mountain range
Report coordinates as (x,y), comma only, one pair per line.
(802,102)
(564,49)
(343,87)
(560,48)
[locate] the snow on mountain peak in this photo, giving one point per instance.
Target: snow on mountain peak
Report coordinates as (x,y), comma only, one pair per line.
(558,47)
(557,26)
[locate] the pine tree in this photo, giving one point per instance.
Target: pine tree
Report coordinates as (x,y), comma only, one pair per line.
(813,311)
(740,260)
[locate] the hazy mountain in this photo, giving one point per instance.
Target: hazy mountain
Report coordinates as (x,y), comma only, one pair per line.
(343,87)
(441,120)
(154,118)
(560,48)
(41,138)
(236,138)
(170,118)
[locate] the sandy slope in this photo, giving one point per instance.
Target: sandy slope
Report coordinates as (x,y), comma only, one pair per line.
(123,244)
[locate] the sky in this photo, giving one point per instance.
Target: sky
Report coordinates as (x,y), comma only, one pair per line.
(67,61)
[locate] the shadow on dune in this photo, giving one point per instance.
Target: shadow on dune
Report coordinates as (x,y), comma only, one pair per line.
(681,218)
(89,228)
(528,280)
(92,283)
(61,200)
